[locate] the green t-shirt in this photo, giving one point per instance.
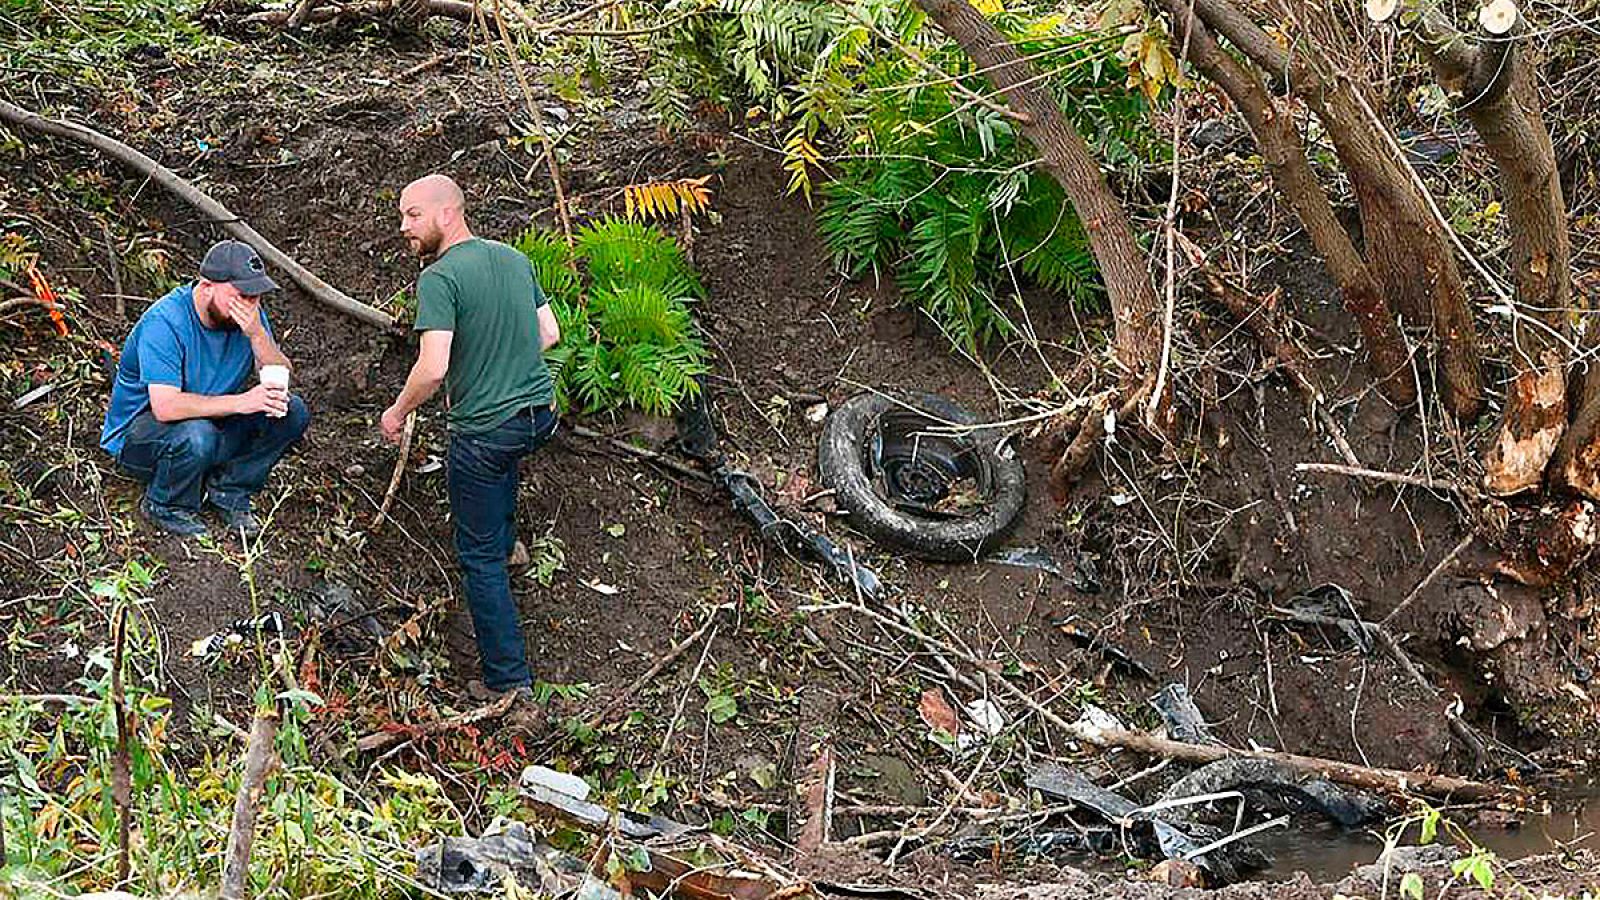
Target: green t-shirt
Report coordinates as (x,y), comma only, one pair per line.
(485,292)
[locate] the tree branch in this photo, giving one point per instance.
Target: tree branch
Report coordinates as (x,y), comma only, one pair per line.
(216,212)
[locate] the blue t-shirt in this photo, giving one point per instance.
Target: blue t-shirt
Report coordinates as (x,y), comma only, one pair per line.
(170,345)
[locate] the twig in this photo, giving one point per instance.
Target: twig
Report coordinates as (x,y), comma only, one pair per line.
(1430,578)
(379,740)
(258,761)
(116,271)
(216,212)
(677,713)
(431,64)
(661,664)
(63,699)
(1466,491)
(658,458)
(538,123)
(1153,410)
(399,470)
(121,778)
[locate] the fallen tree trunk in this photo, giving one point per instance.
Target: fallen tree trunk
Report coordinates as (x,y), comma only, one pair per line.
(1391,781)
(215,211)
(449,9)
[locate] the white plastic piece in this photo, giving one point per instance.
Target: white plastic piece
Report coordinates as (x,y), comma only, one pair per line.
(1498,17)
(1382,10)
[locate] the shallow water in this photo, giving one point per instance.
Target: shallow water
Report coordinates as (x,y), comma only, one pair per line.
(1329,854)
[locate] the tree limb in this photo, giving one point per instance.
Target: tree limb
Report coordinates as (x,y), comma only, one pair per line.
(183,190)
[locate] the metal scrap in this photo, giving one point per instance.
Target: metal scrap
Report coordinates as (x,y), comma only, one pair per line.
(677,861)
(1183,719)
(1274,785)
(1120,659)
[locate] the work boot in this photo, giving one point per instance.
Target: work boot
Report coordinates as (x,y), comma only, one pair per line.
(525,714)
(172,519)
(240,521)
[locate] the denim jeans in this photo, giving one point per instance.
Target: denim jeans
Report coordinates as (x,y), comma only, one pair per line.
(227,459)
(483,501)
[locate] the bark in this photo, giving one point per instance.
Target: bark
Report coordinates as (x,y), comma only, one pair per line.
(258,762)
(317,288)
(458,10)
(1285,157)
(1134,304)
(1495,81)
(1406,249)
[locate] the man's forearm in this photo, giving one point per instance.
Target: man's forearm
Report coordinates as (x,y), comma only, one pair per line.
(184,405)
(419,387)
(266,351)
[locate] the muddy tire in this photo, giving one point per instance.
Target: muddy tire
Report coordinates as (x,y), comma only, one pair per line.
(873,454)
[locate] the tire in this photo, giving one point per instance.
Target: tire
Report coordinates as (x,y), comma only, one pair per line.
(855,432)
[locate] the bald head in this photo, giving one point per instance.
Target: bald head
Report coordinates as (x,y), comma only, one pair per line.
(433,214)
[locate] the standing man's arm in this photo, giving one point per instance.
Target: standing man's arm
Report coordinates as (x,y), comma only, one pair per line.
(549,328)
(433,363)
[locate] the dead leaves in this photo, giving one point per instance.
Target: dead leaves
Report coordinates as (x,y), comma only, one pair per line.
(667,199)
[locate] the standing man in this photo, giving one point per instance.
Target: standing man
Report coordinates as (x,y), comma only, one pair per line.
(485,325)
(188,416)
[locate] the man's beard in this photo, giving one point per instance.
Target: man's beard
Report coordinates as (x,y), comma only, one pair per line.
(428,244)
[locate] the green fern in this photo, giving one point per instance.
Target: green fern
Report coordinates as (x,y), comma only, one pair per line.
(619,252)
(628,338)
(552,261)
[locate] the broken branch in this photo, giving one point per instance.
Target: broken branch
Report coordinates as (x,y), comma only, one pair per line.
(399,470)
(1390,781)
(258,761)
(314,286)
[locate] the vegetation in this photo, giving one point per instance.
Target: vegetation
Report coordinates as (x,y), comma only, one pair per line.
(628,338)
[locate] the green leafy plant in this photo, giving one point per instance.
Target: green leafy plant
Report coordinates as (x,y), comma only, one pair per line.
(628,338)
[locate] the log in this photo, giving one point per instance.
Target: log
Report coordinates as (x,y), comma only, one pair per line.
(215,211)
(448,9)
(1391,781)
(258,761)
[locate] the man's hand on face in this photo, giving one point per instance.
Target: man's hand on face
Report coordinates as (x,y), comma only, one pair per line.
(392,424)
(246,313)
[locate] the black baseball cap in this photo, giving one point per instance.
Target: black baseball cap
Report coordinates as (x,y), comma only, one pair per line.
(238,264)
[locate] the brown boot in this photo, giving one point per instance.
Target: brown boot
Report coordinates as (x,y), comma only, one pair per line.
(524,713)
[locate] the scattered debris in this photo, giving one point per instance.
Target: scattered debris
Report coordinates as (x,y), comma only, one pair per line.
(719,870)
(212,645)
(1120,659)
(1028,558)
(460,865)
(697,436)
(1146,834)
(567,797)
(1183,718)
(1334,602)
(1273,785)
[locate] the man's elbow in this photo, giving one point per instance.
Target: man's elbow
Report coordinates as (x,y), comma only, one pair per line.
(164,410)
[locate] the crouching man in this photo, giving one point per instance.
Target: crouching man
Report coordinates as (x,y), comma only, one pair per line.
(189,415)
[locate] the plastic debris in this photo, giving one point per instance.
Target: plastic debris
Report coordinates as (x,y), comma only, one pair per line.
(1183,719)
(213,645)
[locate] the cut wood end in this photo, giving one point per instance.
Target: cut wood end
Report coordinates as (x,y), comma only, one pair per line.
(1382,10)
(1496,17)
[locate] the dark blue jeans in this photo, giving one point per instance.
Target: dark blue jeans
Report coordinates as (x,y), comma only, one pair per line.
(227,459)
(483,500)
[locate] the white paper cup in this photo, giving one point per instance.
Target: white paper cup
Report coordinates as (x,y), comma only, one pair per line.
(275,376)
